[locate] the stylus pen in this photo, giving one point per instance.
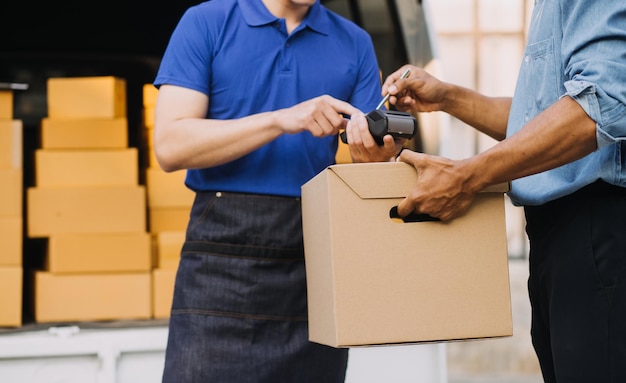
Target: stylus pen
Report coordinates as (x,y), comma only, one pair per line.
(405,74)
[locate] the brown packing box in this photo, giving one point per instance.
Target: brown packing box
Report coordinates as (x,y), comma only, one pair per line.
(86,210)
(11,296)
(343,154)
(148,116)
(169,245)
(11,189)
(87,133)
(11,137)
(150,93)
(81,168)
(86,97)
(99,252)
(169,219)
(168,189)
(11,241)
(162,292)
(375,280)
(86,297)
(6,104)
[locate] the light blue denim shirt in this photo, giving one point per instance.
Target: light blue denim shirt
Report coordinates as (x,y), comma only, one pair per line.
(575,48)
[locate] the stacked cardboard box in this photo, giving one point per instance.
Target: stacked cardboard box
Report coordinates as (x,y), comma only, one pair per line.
(88,203)
(169,204)
(11,175)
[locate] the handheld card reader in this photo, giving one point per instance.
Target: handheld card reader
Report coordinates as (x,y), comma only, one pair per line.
(382,122)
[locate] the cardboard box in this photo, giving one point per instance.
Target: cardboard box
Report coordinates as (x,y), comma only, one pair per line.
(376,280)
(86,210)
(168,219)
(11,137)
(90,133)
(168,189)
(148,116)
(99,252)
(6,104)
(343,155)
(169,245)
(162,292)
(86,168)
(150,93)
(11,190)
(11,241)
(86,97)
(86,297)
(11,296)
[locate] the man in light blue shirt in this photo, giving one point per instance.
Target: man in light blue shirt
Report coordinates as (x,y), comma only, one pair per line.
(562,146)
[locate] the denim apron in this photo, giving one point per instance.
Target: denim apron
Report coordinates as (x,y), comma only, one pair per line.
(239,312)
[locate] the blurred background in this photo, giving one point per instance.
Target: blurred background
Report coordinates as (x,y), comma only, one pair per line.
(474,43)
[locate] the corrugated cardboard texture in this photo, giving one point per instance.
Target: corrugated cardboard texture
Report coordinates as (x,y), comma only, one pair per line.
(99,252)
(374,280)
(11,240)
(169,245)
(86,168)
(61,298)
(169,219)
(86,97)
(11,190)
(11,296)
(86,210)
(11,137)
(168,189)
(85,133)
(6,104)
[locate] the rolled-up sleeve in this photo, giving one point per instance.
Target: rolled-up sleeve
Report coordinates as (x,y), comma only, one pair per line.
(594,48)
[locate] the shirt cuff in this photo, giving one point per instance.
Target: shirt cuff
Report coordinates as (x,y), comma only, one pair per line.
(586,95)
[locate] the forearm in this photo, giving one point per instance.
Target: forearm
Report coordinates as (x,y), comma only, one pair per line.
(193,143)
(488,115)
(561,134)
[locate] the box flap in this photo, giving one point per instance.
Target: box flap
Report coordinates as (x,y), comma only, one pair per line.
(386,179)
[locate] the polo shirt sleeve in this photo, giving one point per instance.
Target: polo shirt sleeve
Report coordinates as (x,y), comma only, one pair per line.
(188,56)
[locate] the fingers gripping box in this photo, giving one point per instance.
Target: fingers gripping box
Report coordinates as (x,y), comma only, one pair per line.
(375,280)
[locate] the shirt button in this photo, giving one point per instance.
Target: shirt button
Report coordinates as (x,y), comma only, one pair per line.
(526,59)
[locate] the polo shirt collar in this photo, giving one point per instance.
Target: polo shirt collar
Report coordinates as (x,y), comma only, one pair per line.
(256,14)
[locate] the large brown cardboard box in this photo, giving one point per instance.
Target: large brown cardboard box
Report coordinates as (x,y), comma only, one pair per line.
(168,246)
(6,104)
(86,297)
(86,210)
(83,168)
(86,97)
(99,252)
(375,280)
(162,292)
(11,189)
(11,137)
(11,241)
(169,219)
(86,133)
(150,94)
(11,296)
(168,189)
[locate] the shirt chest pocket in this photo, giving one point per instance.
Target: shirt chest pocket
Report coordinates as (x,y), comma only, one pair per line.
(539,73)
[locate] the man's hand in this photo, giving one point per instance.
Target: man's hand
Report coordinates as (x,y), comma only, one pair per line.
(440,190)
(321,116)
(420,92)
(364,148)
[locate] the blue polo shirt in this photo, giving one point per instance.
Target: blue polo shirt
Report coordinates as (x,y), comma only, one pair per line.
(241,56)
